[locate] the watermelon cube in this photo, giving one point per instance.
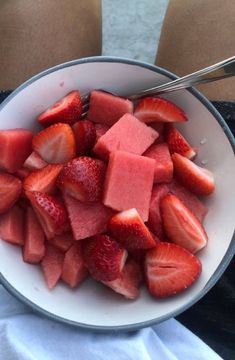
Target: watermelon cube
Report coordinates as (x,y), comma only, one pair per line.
(128,134)
(12,226)
(34,248)
(106,108)
(163,164)
(15,147)
(87,219)
(63,241)
(74,270)
(52,265)
(128,183)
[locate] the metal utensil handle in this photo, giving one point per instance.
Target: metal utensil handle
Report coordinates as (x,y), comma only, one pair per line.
(218,71)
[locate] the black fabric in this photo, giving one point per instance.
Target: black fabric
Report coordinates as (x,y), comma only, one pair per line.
(213,317)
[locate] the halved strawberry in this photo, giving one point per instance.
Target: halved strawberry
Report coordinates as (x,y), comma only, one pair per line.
(152,109)
(34,162)
(177,143)
(10,191)
(129,281)
(74,270)
(83,178)
(104,257)
(170,269)
(85,136)
(43,180)
(67,110)
(198,180)
(130,231)
(55,144)
(52,265)
(50,211)
(181,225)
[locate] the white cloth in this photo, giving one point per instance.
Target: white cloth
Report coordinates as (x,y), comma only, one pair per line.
(27,336)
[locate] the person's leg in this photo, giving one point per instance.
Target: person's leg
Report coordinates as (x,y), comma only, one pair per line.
(196,34)
(35,35)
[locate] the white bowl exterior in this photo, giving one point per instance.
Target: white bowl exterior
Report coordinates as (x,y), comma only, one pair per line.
(92,304)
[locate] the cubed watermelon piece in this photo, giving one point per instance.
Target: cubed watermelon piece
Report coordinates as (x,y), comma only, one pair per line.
(34,247)
(128,134)
(101,129)
(155,219)
(52,265)
(12,226)
(15,147)
(63,241)
(106,109)
(163,172)
(74,270)
(189,199)
(128,183)
(87,219)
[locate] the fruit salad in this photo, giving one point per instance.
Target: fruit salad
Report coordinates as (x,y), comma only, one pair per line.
(113,196)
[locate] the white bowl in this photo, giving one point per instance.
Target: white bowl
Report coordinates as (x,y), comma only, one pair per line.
(92,305)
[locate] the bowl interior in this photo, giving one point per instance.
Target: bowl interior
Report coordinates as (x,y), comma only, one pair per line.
(92,304)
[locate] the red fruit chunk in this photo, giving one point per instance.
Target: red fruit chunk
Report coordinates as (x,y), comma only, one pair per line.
(170,269)
(163,164)
(34,247)
(63,241)
(22,173)
(128,183)
(43,180)
(74,270)
(152,109)
(87,219)
(55,144)
(189,200)
(52,265)
(129,230)
(177,143)
(101,129)
(181,225)
(104,257)
(128,134)
(129,281)
(10,191)
(12,226)
(15,147)
(34,162)
(158,126)
(107,109)
(67,110)
(85,136)
(198,180)
(155,219)
(50,211)
(83,178)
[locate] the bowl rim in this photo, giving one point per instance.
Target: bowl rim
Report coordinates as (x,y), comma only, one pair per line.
(229,253)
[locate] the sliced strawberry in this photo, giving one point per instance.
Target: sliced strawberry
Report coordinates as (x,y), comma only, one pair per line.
(104,257)
(12,226)
(74,270)
(50,211)
(10,191)
(63,241)
(198,180)
(67,110)
(83,178)
(52,265)
(34,247)
(85,136)
(181,225)
(129,281)
(34,162)
(22,173)
(170,269)
(55,144)
(163,171)
(129,229)
(177,143)
(152,109)
(43,180)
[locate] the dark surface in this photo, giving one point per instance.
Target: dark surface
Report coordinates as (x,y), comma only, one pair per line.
(213,317)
